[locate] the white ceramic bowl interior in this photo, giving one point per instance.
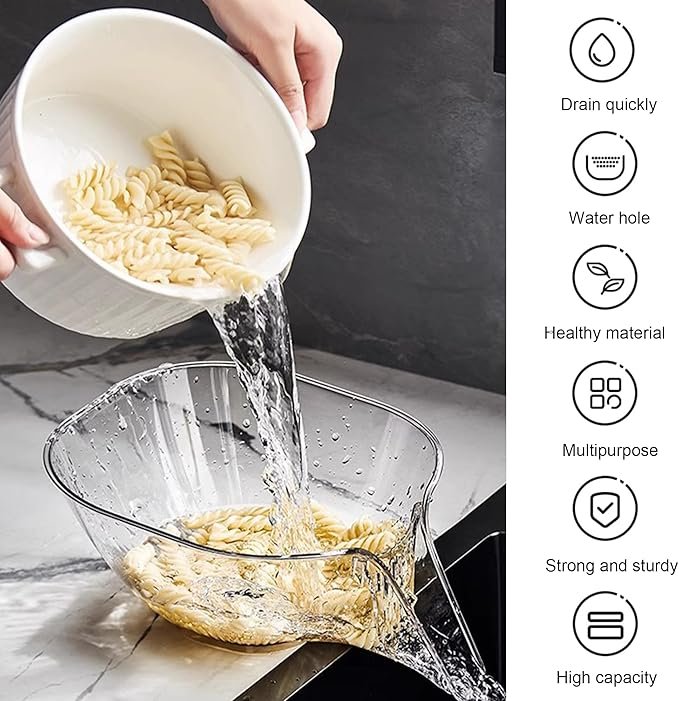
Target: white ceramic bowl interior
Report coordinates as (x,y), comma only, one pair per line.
(96,88)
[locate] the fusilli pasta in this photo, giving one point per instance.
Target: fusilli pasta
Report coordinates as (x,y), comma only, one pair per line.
(238,202)
(167,156)
(193,233)
(260,602)
(197,175)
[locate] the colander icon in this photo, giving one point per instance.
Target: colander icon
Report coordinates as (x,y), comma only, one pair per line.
(605,167)
(605,163)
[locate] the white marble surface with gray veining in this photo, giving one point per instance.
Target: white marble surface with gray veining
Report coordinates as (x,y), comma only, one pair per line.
(70,629)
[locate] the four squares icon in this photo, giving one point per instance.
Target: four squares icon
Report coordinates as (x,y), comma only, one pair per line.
(604,392)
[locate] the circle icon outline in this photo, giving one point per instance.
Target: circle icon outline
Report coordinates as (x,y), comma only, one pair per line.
(602,80)
(631,260)
(604,423)
(577,175)
(595,652)
(632,522)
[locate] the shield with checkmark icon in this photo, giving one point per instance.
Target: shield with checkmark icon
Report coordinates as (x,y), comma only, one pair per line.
(605,508)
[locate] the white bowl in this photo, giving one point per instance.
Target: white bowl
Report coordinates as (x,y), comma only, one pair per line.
(95,89)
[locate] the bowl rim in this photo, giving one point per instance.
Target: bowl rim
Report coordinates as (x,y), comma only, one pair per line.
(122,385)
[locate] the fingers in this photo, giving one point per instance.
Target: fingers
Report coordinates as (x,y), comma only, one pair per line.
(15,227)
(277,61)
(319,88)
(296,48)
(319,93)
(6,262)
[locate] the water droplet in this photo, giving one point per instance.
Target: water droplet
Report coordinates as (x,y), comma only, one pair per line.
(318,430)
(390,500)
(195,379)
(602,51)
(246,423)
(359,471)
(373,448)
(370,491)
(346,459)
(207,409)
(122,424)
(335,436)
(316,463)
(347,426)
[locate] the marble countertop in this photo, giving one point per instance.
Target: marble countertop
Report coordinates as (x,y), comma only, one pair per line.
(71,630)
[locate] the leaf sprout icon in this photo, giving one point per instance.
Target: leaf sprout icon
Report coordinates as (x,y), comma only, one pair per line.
(612,284)
(602,51)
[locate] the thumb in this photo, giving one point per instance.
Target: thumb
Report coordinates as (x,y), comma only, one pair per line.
(15,227)
(277,61)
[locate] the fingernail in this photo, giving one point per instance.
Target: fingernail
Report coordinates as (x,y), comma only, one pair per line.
(299,118)
(37,235)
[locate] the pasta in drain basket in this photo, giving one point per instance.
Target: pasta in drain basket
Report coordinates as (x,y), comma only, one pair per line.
(250,602)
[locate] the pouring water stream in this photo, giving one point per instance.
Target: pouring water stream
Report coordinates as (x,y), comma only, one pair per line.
(256,335)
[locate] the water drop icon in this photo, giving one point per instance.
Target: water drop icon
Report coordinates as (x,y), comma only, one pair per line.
(602,51)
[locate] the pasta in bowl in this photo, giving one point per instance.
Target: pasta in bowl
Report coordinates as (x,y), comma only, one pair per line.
(169,222)
(65,115)
(266,601)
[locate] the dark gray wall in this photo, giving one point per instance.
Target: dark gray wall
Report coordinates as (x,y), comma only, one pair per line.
(403,262)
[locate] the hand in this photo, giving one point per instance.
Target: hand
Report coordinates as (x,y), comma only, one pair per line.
(293,45)
(15,229)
